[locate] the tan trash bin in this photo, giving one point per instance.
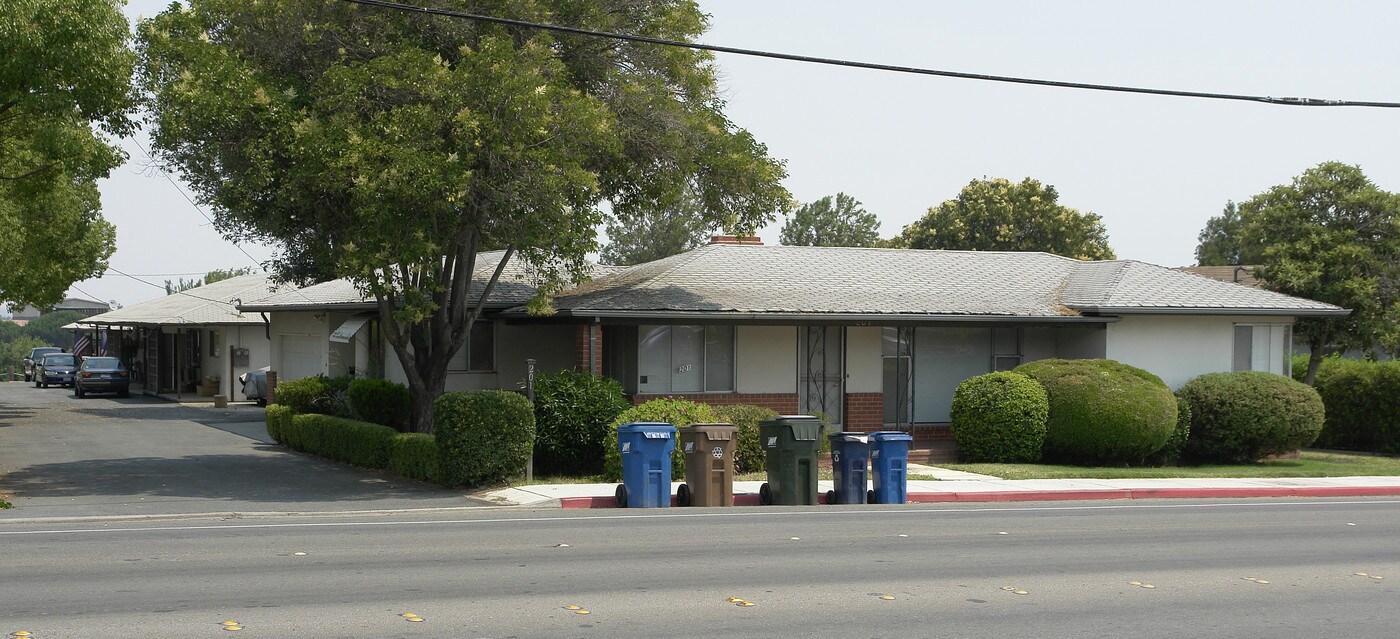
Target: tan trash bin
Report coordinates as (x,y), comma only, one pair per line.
(709,465)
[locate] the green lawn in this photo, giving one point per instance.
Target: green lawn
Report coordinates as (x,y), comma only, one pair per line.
(1309,464)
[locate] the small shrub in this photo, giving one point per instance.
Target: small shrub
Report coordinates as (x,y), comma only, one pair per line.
(748,449)
(677,412)
(415,456)
(573,412)
(1363,405)
(354,442)
(380,401)
(278,416)
(483,436)
(1244,416)
(1171,452)
(1103,412)
(316,394)
(1000,418)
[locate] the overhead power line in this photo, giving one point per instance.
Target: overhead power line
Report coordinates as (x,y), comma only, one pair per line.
(880,67)
(168,291)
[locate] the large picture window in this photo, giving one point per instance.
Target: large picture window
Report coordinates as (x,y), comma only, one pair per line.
(478,355)
(1264,347)
(685,359)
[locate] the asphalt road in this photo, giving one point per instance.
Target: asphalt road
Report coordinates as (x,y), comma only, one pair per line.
(1265,568)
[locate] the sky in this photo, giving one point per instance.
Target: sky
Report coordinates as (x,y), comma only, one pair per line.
(1155,168)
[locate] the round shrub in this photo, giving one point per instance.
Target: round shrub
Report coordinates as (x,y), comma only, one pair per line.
(1171,452)
(316,394)
(483,436)
(380,401)
(677,412)
(1000,417)
(1244,416)
(1102,412)
(748,450)
(573,413)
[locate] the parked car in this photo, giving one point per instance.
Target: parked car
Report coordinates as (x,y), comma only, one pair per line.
(255,385)
(33,358)
(102,375)
(55,368)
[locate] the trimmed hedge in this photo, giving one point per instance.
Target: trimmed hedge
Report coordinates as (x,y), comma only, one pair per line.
(677,412)
(1363,405)
(1103,412)
(415,455)
(360,443)
(1245,416)
(1171,452)
(483,436)
(1000,417)
(316,394)
(278,417)
(380,401)
(749,456)
(573,411)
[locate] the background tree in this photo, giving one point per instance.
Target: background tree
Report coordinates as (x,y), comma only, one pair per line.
(999,215)
(390,147)
(1220,243)
(64,69)
(652,235)
(1333,236)
(839,221)
(216,275)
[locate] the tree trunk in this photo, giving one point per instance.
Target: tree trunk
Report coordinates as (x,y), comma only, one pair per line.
(423,398)
(1315,356)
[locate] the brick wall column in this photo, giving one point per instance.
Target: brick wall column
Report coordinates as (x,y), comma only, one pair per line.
(271,390)
(588,349)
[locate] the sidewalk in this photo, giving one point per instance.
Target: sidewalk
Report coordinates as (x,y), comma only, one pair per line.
(957,486)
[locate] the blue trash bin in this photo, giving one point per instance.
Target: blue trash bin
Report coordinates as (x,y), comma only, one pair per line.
(849,454)
(646,464)
(889,461)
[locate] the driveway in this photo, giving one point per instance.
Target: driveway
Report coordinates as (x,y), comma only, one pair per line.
(101,456)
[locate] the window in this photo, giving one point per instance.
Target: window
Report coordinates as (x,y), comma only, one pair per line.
(478,355)
(895,349)
(685,359)
(1263,347)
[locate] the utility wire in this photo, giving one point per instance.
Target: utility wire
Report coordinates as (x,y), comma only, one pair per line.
(879,67)
(191,200)
(186,293)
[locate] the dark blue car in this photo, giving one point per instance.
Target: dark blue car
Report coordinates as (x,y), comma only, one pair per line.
(54,368)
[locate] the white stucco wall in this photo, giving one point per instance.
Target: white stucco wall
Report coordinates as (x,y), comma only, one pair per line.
(767,360)
(864,367)
(1178,347)
(299,324)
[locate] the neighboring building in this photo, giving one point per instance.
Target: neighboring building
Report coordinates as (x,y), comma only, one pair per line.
(872,338)
(86,307)
(173,343)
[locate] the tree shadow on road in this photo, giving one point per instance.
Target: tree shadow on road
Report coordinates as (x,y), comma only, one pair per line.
(8,414)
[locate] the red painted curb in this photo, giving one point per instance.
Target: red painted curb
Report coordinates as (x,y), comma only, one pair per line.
(1073,495)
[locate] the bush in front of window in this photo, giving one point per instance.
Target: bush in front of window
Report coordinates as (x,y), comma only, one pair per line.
(1170,453)
(1000,418)
(749,456)
(354,442)
(483,437)
(1245,416)
(278,416)
(677,412)
(415,455)
(381,401)
(1102,412)
(1363,405)
(316,394)
(573,413)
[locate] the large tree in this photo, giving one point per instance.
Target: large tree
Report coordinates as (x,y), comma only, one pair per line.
(65,84)
(831,221)
(1000,215)
(652,235)
(1331,235)
(392,147)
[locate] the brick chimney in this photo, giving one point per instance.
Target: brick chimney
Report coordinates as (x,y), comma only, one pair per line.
(745,240)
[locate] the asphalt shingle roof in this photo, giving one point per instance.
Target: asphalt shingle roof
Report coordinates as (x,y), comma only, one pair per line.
(207,304)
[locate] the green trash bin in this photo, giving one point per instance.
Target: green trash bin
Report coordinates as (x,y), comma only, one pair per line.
(790,445)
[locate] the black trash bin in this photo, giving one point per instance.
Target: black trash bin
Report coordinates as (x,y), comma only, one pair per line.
(850,453)
(790,446)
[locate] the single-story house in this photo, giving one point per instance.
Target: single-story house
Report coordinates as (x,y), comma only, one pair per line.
(172,344)
(871,338)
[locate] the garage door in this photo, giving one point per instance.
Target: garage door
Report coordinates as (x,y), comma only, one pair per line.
(301,357)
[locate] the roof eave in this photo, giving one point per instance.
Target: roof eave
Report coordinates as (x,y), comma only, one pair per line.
(854,318)
(1212,310)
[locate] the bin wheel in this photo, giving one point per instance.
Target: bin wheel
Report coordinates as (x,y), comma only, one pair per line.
(830,496)
(621,496)
(683,495)
(765,495)
(870,497)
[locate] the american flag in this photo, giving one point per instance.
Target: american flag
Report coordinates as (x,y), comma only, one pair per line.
(80,348)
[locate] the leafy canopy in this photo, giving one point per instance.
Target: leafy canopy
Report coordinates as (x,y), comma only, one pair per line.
(391,147)
(999,215)
(65,81)
(839,221)
(1220,241)
(652,235)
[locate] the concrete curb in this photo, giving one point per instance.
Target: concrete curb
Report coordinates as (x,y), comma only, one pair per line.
(270,514)
(1076,495)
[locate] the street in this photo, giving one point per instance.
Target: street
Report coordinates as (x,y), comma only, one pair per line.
(1275,568)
